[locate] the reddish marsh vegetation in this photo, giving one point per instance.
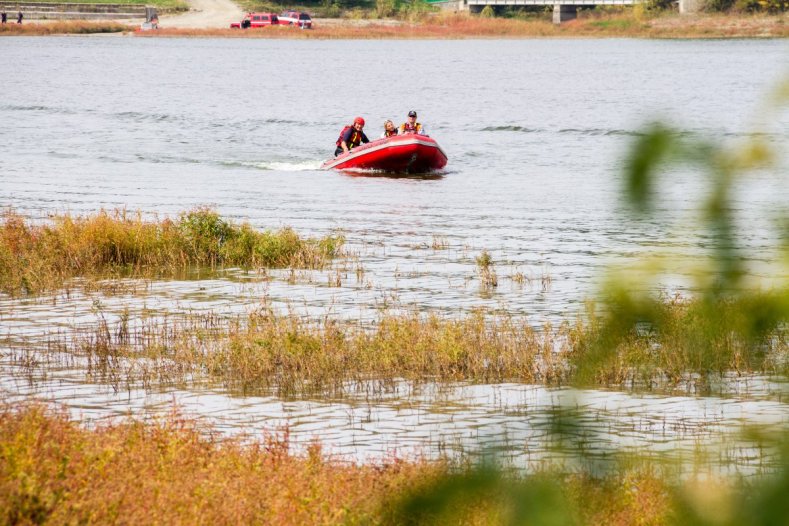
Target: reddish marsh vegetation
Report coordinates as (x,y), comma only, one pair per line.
(60,27)
(52,471)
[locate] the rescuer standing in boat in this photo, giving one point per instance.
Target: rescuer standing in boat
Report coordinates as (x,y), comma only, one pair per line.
(351,137)
(411,126)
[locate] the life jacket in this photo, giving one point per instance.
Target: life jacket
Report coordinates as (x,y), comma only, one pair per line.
(408,128)
(355,140)
(388,133)
(339,139)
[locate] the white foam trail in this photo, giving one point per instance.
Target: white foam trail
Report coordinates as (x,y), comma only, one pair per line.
(299,166)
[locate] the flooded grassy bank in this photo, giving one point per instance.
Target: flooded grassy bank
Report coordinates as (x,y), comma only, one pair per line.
(293,354)
(39,257)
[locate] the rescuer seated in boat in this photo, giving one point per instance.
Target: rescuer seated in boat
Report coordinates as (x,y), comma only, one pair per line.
(351,137)
(389,129)
(411,126)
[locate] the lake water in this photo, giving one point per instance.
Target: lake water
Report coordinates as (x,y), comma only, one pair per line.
(535,131)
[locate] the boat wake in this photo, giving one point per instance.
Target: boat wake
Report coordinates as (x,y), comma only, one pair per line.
(288,166)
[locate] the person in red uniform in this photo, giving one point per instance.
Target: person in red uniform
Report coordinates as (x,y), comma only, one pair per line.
(351,137)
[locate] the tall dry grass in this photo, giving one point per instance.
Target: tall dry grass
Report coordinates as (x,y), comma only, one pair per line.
(37,257)
(293,355)
(62,27)
(173,472)
(52,471)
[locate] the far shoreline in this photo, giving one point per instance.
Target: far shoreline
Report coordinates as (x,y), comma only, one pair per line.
(455,27)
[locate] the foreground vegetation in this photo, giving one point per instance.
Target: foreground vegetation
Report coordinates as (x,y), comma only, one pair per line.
(34,258)
(52,471)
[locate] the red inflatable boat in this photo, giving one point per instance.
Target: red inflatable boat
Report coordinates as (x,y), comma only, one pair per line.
(400,153)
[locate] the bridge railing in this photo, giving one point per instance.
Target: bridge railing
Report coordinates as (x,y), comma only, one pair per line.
(72,11)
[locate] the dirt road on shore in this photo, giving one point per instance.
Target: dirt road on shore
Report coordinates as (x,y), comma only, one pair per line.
(205,14)
(212,14)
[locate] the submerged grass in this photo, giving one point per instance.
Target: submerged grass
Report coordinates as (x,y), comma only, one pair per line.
(34,258)
(291,354)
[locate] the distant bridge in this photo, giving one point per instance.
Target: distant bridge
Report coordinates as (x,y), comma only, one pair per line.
(563,10)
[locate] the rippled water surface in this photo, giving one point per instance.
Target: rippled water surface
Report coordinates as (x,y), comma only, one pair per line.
(535,131)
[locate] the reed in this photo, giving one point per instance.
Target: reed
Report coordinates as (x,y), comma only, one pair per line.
(439,243)
(263,351)
(293,355)
(34,258)
(487,272)
(691,342)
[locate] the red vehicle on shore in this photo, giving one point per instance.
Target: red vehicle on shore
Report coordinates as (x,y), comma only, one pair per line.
(253,20)
(296,18)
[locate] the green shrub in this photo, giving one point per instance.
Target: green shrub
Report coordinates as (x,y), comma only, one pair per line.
(718,6)
(385,8)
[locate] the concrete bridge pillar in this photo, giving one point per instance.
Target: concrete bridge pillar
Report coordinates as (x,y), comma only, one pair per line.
(563,13)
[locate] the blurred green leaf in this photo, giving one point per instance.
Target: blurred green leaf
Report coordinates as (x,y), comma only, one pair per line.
(650,151)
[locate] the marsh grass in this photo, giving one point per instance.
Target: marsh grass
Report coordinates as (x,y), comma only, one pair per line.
(486,270)
(691,342)
(35,258)
(439,243)
(264,351)
(291,354)
(519,278)
(175,472)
